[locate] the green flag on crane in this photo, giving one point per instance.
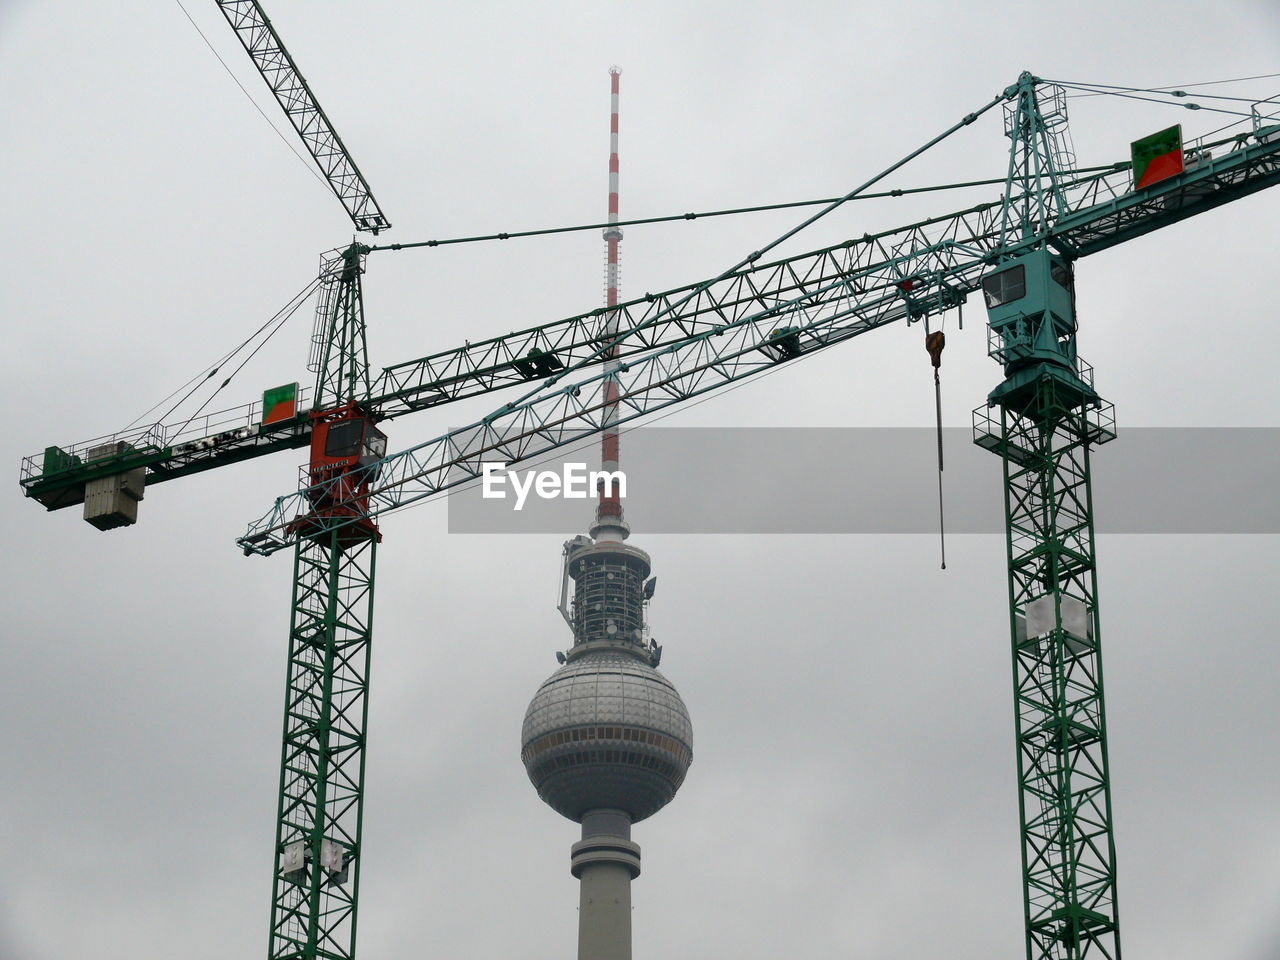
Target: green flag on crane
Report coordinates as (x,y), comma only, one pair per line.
(1157,157)
(280,403)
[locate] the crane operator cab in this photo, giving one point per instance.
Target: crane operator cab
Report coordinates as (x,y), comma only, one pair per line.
(344,443)
(1031,328)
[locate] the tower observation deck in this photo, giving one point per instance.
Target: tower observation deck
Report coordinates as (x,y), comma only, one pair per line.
(607,731)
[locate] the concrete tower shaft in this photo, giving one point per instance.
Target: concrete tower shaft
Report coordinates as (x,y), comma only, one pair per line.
(605,861)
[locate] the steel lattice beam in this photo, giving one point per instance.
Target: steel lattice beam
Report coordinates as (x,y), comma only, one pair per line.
(273,61)
(1068,852)
(1042,421)
(315,890)
(740,326)
(820,298)
(342,361)
(671,347)
(1101,211)
(318,824)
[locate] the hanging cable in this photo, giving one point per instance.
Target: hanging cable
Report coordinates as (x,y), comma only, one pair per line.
(933,343)
(310,169)
(298,297)
(901,192)
(1134,96)
(1225,126)
(281,316)
(1178,91)
(1103,88)
(231,376)
(210,372)
(202,375)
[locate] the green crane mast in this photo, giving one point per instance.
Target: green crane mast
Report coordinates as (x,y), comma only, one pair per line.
(1043,420)
(316,882)
(1047,417)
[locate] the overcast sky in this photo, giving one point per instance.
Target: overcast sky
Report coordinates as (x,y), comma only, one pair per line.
(853,788)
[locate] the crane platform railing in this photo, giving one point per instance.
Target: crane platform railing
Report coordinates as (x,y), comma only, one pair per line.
(1244,164)
(988,432)
(176,441)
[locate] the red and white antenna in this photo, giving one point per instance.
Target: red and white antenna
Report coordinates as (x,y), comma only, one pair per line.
(609,524)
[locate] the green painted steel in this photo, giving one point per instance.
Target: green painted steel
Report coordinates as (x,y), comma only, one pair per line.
(1064,803)
(825,297)
(318,823)
(1043,420)
(342,357)
(939,255)
(299,104)
(1035,119)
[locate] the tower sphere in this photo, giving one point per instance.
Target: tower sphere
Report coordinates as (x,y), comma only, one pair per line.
(607,732)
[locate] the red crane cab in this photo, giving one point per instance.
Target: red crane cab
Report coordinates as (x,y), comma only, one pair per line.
(344,441)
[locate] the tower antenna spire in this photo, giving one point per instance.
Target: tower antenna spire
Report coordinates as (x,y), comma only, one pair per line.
(609,524)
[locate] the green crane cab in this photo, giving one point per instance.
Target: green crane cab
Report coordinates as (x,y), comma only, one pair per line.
(1031,315)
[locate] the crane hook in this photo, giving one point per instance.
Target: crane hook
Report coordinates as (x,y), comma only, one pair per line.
(934,342)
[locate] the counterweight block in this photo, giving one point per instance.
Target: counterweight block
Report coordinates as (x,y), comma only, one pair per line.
(112,501)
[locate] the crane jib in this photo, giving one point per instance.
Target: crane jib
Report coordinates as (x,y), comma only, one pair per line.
(941,272)
(275,64)
(56,478)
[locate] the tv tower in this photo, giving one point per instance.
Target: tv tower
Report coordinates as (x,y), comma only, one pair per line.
(607,739)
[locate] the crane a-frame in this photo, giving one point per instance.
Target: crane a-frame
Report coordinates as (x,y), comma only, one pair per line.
(683,343)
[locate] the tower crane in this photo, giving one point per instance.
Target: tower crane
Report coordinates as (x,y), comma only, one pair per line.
(1042,420)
